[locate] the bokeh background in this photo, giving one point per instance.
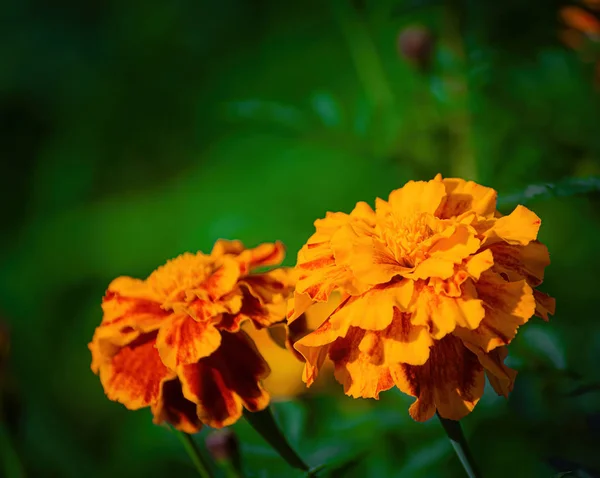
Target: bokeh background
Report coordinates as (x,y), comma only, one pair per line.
(131,133)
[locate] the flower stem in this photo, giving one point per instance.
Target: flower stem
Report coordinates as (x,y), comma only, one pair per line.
(459,443)
(264,423)
(194,453)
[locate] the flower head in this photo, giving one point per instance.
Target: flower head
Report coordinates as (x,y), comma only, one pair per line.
(173,342)
(434,282)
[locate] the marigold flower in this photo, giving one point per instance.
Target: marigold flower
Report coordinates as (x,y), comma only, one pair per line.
(434,282)
(173,342)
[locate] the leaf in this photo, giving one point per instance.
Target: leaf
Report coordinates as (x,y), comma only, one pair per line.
(263,111)
(565,188)
(326,108)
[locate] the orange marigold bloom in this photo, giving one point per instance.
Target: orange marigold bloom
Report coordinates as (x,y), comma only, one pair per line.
(434,282)
(173,342)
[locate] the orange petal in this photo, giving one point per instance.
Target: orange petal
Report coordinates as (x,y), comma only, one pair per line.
(264,255)
(518,228)
(501,377)
(521,262)
(129,309)
(227,380)
(185,341)
(463,196)
(477,264)
(374,310)
(443,314)
(173,408)
(544,305)
(405,342)
(507,306)
(363,374)
(222,281)
(135,374)
(451,381)
(417,197)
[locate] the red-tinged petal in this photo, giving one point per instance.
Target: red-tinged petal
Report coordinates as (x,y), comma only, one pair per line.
(464,196)
(222,281)
(507,306)
(405,342)
(185,341)
(135,374)
(417,197)
(451,381)
(264,255)
(521,262)
(501,377)
(363,373)
(519,228)
(227,380)
(129,309)
(173,408)
(443,314)
(544,305)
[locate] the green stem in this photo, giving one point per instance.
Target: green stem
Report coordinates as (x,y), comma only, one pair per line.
(459,443)
(463,163)
(369,67)
(194,453)
(264,423)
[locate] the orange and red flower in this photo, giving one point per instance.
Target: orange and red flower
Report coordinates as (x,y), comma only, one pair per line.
(434,282)
(173,342)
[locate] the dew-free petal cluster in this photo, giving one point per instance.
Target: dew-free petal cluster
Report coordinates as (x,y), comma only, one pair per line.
(173,342)
(434,284)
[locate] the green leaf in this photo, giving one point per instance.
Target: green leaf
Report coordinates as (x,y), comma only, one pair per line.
(565,188)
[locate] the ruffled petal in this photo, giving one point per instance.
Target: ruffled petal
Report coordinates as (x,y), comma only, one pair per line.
(507,306)
(451,381)
(359,364)
(521,262)
(129,308)
(135,374)
(226,381)
(464,196)
(501,377)
(442,314)
(374,310)
(417,197)
(544,305)
(185,341)
(519,228)
(173,408)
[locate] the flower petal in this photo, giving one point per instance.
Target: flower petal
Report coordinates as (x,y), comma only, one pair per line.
(185,341)
(544,305)
(173,408)
(521,262)
(501,377)
(507,306)
(135,374)
(518,228)
(227,380)
(374,310)
(417,197)
(463,196)
(443,314)
(363,373)
(129,309)
(451,381)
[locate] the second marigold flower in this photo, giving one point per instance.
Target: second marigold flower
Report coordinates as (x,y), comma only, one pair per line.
(173,342)
(435,283)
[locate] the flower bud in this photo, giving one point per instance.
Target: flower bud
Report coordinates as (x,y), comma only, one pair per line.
(415,44)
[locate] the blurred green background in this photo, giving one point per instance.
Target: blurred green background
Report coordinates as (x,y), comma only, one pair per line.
(131,133)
